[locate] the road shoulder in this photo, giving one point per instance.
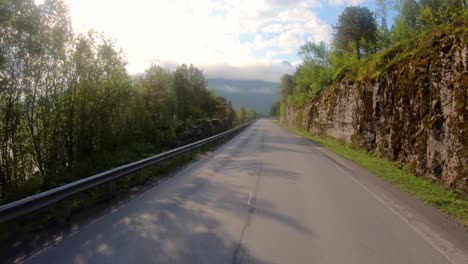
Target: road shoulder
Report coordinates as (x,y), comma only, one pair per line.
(446,235)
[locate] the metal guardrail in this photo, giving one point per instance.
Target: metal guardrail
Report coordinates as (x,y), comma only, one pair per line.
(32,203)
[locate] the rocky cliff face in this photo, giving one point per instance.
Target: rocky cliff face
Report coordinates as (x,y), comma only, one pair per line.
(415,112)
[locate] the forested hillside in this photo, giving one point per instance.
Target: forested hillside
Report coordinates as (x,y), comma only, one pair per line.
(399,92)
(364,44)
(68,107)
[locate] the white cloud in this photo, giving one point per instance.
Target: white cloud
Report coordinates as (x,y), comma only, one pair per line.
(287,40)
(207,33)
(346,2)
(273,28)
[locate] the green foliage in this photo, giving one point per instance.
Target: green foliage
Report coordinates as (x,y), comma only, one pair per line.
(316,54)
(312,76)
(409,13)
(406,24)
(315,73)
(69,109)
(382,12)
(437,12)
(282,109)
(275,109)
(383,38)
(243,116)
(357,34)
(415,18)
(342,60)
(286,86)
(356,24)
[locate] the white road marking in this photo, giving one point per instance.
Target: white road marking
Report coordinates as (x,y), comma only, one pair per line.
(250,197)
(444,247)
(423,231)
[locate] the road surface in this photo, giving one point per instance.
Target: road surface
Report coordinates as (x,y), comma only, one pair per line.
(267,196)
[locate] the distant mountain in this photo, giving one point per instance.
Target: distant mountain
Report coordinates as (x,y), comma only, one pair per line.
(255,94)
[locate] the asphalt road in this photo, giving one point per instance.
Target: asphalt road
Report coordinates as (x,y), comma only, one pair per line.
(268,196)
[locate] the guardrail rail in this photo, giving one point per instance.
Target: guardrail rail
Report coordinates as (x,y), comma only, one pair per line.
(32,203)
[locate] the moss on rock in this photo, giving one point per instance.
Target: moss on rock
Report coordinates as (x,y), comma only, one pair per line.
(413,110)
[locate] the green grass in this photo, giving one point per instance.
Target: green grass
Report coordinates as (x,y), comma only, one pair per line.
(433,193)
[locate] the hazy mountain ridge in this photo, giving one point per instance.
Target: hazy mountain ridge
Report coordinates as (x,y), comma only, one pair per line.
(255,94)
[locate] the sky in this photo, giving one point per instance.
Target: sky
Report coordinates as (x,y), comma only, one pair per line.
(232,39)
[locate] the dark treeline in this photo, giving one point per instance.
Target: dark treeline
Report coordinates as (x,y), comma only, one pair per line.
(275,109)
(364,44)
(69,109)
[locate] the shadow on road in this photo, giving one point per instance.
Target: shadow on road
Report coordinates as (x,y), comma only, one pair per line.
(191,220)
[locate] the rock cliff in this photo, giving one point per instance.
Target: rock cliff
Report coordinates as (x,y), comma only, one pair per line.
(414,112)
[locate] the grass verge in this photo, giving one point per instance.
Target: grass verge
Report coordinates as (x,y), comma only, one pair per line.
(450,202)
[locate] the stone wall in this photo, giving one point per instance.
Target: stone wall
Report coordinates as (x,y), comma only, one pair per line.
(415,112)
